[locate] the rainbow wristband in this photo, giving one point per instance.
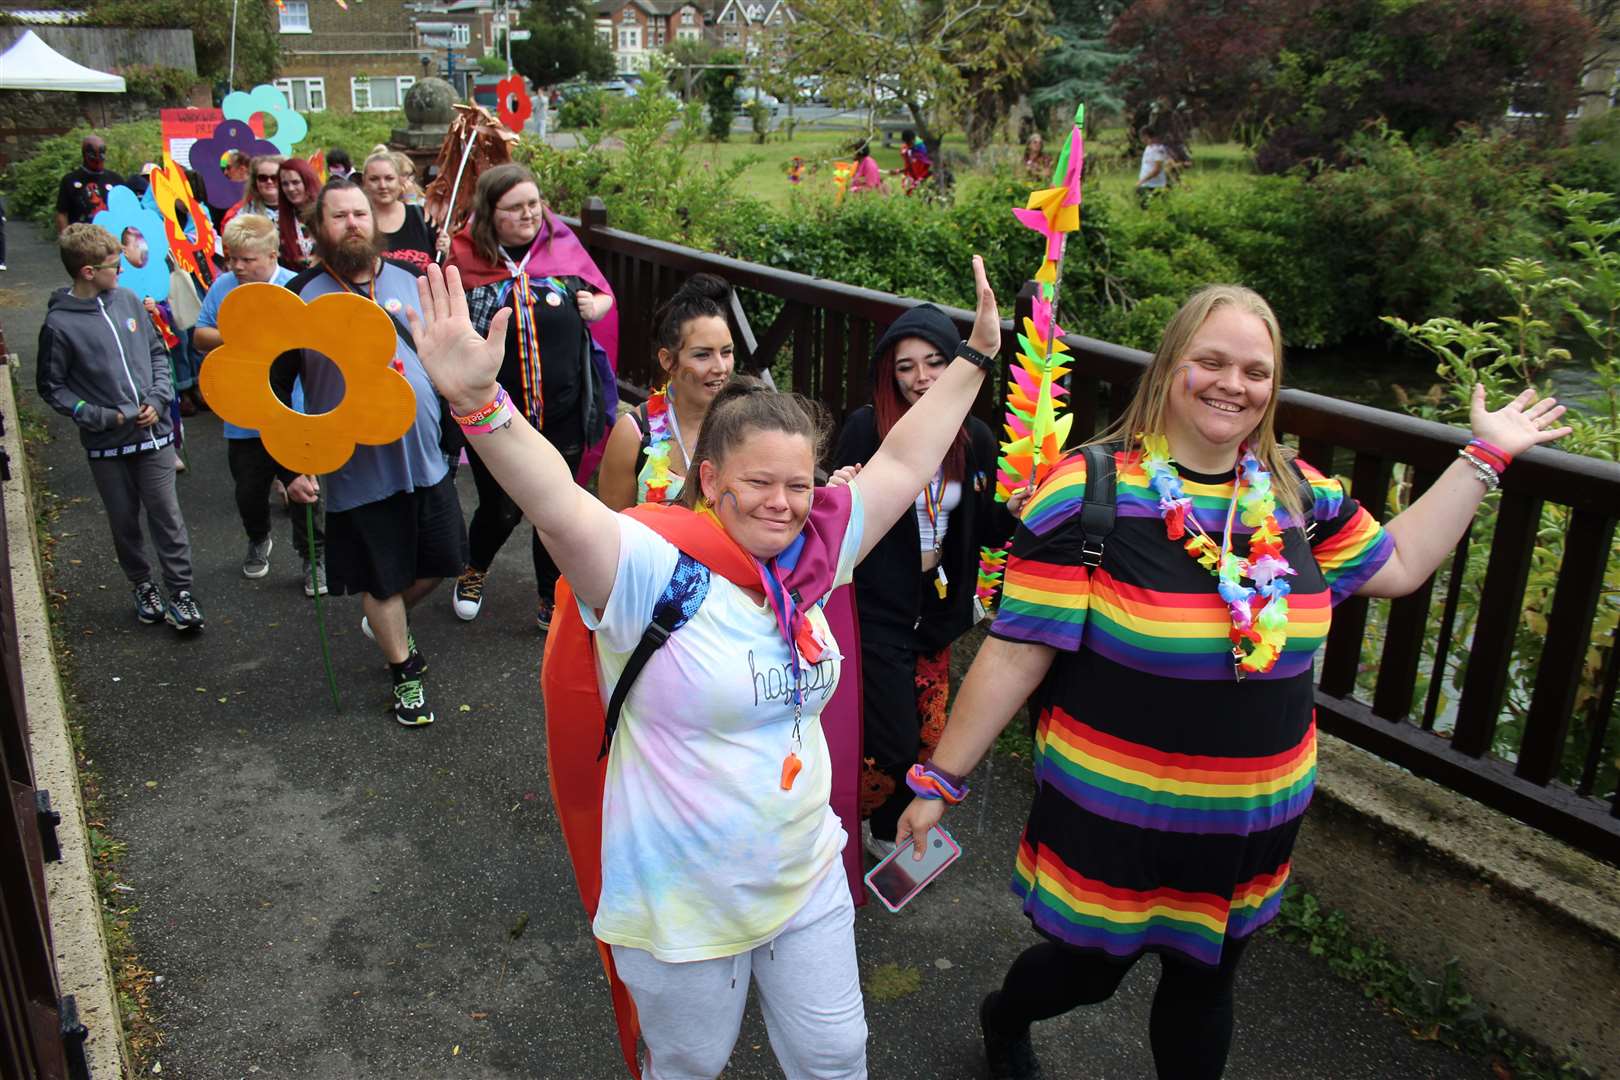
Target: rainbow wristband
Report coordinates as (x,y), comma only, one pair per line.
(1483,451)
(495,421)
(482,415)
(1507,458)
(928,783)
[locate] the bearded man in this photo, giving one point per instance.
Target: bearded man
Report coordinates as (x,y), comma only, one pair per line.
(393,522)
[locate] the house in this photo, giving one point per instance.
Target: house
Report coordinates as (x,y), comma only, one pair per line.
(635,29)
(363,59)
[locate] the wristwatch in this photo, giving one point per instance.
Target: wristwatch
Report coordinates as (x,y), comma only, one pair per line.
(968,352)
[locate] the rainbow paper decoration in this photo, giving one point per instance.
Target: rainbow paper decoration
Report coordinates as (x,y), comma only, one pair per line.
(992,564)
(1035,430)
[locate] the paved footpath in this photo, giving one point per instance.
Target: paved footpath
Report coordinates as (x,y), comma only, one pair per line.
(332,896)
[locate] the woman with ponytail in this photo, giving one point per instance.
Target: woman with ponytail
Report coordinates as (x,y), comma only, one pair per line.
(514,256)
(650,451)
(916,592)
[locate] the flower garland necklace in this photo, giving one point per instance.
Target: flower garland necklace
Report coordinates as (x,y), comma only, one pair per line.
(663,428)
(1259,632)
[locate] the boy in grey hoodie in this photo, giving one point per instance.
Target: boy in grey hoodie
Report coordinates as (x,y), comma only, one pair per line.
(102,365)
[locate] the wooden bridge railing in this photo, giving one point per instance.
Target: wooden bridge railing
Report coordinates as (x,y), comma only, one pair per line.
(819,341)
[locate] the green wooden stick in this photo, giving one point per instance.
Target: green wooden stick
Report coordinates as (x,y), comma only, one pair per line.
(320,610)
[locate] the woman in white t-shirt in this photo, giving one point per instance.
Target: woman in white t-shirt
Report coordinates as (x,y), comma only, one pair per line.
(1156,164)
(719,850)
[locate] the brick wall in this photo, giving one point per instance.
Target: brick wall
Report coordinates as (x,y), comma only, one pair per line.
(373,39)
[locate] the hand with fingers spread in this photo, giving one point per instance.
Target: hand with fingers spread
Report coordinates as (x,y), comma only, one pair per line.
(986,333)
(462,363)
(1524,422)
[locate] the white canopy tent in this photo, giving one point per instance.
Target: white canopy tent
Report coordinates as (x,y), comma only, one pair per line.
(30,64)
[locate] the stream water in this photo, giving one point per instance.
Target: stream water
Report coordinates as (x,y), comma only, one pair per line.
(1368,372)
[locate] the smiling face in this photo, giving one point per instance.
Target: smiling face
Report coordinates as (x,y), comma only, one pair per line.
(265,178)
(761,490)
(1220,385)
(917,363)
(382,182)
(702,366)
(518,214)
(293,185)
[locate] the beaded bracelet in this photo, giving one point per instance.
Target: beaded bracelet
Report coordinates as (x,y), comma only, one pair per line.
(1486,473)
(931,783)
(481,415)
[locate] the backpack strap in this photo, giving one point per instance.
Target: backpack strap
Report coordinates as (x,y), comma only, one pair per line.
(679,601)
(1098,511)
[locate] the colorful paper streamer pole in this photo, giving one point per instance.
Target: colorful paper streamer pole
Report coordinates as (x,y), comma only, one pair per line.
(992,565)
(1035,430)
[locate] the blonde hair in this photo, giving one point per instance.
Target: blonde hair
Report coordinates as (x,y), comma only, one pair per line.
(1145,415)
(249,233)
(85,245)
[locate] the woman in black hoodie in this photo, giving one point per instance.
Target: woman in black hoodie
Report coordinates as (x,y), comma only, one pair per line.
(915,591)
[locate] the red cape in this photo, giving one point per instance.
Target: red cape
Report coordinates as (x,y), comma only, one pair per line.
(575,715)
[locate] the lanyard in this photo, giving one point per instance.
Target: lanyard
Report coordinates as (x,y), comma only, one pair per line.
(675,430)
(933,498)
(371,286)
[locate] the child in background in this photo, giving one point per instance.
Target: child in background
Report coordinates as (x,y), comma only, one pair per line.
(102,365)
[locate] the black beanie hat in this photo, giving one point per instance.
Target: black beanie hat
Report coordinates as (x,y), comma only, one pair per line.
(923,321)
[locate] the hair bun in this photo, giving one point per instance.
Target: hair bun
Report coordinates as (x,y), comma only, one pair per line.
(703,287)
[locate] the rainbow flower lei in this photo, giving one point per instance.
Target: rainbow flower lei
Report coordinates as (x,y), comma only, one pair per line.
(1259,629)
(655,473)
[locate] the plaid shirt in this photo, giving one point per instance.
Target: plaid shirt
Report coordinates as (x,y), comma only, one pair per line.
(483,302)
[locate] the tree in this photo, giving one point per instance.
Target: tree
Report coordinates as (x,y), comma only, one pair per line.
(1081,66)
(562,43)
(258,50)
(1298,78)
(946,63)
(720,92)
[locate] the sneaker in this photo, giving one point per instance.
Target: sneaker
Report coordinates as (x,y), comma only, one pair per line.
(256,563)
(410,642)
(542,614)
(1010,1057)
(468,598)
(410,696)
(878,849)
(318,585)
(183,613)
(148,603)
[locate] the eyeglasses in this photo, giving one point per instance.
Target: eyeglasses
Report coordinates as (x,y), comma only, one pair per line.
(117,261)
(266,178)
(527,209)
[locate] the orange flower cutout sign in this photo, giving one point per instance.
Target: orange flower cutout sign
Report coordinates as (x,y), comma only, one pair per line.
(512,102)
(259,322)
(170,189)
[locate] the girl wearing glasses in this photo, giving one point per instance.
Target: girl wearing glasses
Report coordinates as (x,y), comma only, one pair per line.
(263,195)
(513,253)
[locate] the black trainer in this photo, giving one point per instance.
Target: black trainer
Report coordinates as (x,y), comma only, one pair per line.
(183,613)
(1011,1057)
(411,706)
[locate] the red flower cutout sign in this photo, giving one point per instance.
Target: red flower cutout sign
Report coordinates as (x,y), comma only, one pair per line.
(514,105)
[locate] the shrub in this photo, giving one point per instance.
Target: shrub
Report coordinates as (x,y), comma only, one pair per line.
(1592,160)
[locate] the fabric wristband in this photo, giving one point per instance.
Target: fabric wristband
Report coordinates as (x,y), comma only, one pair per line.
(928,783)
(495,421)
(480,415)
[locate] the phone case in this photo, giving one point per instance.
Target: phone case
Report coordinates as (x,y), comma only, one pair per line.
(904,851)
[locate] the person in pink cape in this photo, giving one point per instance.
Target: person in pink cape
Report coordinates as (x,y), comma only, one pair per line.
(514,255)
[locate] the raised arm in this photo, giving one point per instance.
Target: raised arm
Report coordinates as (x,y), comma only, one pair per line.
(909,457)
(581,534)
(1426,532)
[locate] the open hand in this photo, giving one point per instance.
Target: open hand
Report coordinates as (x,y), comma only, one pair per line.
(986,333)
(462,364)
(1520,424)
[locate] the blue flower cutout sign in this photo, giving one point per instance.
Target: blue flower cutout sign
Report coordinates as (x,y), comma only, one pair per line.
(144,269)
(264,98)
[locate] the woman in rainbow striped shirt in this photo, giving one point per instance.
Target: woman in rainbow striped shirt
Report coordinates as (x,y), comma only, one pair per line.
(1175,746)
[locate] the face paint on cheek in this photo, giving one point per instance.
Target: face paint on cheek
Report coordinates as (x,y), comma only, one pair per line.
(736,504)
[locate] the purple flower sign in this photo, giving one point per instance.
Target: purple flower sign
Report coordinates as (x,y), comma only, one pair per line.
(220,190)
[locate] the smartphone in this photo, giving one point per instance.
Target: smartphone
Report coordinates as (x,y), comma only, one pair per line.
(900,877)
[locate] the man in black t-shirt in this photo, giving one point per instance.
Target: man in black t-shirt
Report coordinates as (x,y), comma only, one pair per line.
(83,193)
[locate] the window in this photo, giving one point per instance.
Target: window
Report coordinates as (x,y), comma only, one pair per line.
(730,16)
(688,35)
(304,95)
(629,38)
(657,36)
(295,17)
(460,33)
(604,34)
(379,94)
(732,37)
(688,16)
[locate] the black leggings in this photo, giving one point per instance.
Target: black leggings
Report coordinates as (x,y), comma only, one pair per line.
(1190,1028)
(497,515)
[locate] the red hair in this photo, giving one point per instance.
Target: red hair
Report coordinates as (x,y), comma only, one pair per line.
(888,406)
